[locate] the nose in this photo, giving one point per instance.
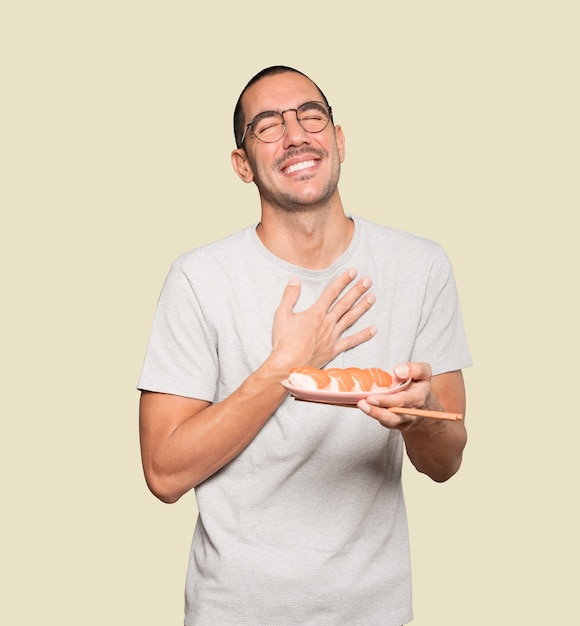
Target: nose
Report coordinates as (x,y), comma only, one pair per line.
(294,135)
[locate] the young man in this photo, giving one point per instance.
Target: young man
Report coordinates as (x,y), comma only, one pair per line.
(301,512)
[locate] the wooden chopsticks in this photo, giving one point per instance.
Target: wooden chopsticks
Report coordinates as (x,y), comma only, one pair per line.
(404,410)
(424,413)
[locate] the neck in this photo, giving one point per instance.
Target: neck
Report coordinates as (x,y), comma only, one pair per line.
(311,239)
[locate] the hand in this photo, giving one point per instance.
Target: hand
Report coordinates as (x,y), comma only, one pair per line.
(417,394)
(315,336)
(434,446)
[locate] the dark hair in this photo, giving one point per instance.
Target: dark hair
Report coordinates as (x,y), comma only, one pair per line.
(268,71)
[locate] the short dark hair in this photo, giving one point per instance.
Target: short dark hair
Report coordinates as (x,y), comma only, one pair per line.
(239,115)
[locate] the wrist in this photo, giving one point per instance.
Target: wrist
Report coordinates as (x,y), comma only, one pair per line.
(275,368)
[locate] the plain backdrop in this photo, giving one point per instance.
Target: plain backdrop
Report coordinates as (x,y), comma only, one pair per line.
(462,125)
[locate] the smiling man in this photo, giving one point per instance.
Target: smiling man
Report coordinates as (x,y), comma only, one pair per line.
(286,152)
(301,514)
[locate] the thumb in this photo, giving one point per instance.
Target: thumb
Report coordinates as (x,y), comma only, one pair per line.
(290,295)
(416,371)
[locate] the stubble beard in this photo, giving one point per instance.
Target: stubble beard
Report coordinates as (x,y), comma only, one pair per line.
(298,202)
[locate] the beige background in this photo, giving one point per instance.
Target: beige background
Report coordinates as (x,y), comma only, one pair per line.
(462,125)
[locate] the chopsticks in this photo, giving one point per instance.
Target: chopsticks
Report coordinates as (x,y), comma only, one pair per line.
(400,410)
(424,413)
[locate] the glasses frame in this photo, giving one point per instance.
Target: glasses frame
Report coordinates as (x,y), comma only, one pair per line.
(281,114)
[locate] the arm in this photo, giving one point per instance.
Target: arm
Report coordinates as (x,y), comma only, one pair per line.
(184,440)
(434,446)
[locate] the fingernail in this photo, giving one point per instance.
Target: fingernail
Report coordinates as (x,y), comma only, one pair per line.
(352,273)
(402,371)
(363,405)
(371,298)
(367,282)
(294,281)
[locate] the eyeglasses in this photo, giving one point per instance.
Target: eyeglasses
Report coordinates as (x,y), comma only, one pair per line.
(269,126)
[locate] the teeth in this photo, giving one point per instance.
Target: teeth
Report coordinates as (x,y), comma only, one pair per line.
(300,166)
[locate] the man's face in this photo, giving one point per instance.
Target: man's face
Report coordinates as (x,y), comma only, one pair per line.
(301,169)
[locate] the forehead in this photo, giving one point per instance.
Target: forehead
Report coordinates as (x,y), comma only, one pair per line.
(279,92)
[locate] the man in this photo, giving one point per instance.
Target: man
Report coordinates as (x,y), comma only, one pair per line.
(301,513)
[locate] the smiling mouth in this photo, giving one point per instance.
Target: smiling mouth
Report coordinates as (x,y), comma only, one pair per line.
(302,165)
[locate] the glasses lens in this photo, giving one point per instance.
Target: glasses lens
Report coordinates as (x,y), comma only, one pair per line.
(268,126)
(313,116)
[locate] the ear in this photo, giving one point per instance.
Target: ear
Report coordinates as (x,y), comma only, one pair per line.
(339,142)
(242,166)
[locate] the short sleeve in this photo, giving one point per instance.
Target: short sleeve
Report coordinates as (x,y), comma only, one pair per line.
(181,357)
(441,339)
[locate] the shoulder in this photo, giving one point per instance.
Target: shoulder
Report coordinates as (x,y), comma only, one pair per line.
(214,252)
(393,241)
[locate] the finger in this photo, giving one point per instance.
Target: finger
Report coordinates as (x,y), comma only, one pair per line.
(416,371)
(333,291)
(384,416)
(290,295)
(289,299)
(349,299)
(355,312)
(346,343)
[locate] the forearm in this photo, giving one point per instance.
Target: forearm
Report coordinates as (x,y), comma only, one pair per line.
(215,436)
(195,446)
(435,447)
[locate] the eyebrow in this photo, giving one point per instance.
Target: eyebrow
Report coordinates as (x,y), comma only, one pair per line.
(263,115)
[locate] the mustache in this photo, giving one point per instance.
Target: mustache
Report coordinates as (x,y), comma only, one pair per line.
(296,152)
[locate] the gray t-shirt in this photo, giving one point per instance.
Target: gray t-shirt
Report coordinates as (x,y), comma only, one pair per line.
(307,526)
